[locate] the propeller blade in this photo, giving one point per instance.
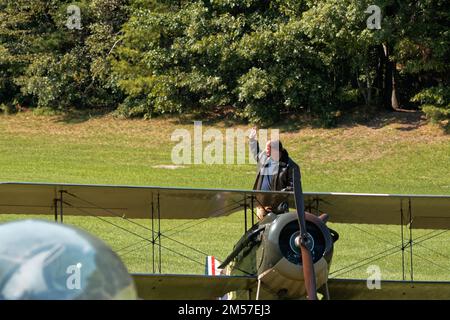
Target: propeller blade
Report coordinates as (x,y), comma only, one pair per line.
(307,260)
(308,273)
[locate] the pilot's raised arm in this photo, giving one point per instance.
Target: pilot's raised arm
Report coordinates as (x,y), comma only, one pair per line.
(254,145)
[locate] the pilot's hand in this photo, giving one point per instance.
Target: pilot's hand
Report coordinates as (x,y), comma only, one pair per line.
(252,135)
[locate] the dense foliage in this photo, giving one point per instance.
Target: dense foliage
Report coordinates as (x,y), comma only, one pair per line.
(43,63)
(261,59)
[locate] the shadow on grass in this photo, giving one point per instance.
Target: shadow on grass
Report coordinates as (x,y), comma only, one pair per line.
(80,116)
(406,120)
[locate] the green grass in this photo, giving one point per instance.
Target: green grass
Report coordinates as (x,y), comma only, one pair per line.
(391,154)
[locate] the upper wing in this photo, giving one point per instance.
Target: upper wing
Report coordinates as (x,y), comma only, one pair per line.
(131,202)
(424,211)
(189,287)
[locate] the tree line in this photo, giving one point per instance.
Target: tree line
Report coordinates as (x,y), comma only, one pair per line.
(261,59)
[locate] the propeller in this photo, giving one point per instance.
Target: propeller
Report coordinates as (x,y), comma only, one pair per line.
(302,240)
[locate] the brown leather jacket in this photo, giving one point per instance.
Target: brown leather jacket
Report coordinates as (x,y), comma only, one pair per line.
(283,177)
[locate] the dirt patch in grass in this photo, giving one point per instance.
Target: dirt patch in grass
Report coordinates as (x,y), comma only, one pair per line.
(168,166)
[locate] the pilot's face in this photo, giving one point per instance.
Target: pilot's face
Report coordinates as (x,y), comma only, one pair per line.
(272,151)
(268,148)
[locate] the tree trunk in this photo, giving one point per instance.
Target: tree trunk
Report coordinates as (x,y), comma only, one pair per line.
(390,101)
(394,98)
(378,81)
(361,90)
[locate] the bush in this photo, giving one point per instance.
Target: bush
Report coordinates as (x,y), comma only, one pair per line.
(435,102)
(436,114)
(7,109)
(255,91)
(45,111)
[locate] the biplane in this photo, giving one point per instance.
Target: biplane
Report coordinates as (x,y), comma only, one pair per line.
(283,256)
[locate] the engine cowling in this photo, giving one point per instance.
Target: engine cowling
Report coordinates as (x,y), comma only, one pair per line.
(280,266)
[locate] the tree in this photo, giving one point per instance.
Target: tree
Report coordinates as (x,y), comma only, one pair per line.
(201,55)
(260,59)
(49,65)
(409,33)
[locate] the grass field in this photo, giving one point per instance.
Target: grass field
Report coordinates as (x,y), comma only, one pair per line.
(393,153)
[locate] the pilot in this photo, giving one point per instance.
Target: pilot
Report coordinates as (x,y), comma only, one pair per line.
(275,172)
